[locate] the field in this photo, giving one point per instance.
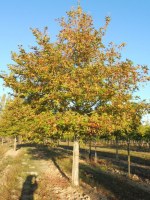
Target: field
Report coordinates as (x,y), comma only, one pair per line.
(36,172)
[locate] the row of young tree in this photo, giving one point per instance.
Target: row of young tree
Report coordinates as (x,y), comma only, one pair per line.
(75,87)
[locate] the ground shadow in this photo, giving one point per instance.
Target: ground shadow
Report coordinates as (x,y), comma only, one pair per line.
(60,170)
(46,153)
(135,159)
(29,187)
(121,164)
(119,187)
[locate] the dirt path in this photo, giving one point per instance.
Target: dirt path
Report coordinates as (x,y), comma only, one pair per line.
(41,179)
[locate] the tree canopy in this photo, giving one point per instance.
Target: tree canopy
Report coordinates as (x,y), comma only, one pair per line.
(77,73)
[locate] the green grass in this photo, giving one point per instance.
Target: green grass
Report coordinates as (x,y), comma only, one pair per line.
(140,161)
(113,185)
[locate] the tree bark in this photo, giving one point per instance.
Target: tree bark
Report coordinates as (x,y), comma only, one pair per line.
(148,144)
(117,148)
(95,156)
(129,158)
(75,165)
(90,152)
(68,142)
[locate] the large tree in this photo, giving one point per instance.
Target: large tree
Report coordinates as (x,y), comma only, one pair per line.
(77,79)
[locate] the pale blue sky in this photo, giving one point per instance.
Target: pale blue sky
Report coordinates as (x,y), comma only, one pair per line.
(129,24)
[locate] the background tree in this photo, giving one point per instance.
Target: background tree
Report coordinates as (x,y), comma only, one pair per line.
(132,123)
(16,119)
(144,133)
(2,106)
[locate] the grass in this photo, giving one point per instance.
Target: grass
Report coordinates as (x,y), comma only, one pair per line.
(15,176)
(94,178)
(140,161)
(110,184)
(9,180)
(3,150)
(113,186)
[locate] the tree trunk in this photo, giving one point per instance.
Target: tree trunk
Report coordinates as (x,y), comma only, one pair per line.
(95,156)
(129,162)
(68,142)
(117,148)
(75,165)
(148,144)
(15,143)
(90,152)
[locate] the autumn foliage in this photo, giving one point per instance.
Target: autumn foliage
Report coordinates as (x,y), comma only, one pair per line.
(76,85)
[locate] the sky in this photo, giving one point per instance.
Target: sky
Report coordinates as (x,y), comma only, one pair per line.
(129,24)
